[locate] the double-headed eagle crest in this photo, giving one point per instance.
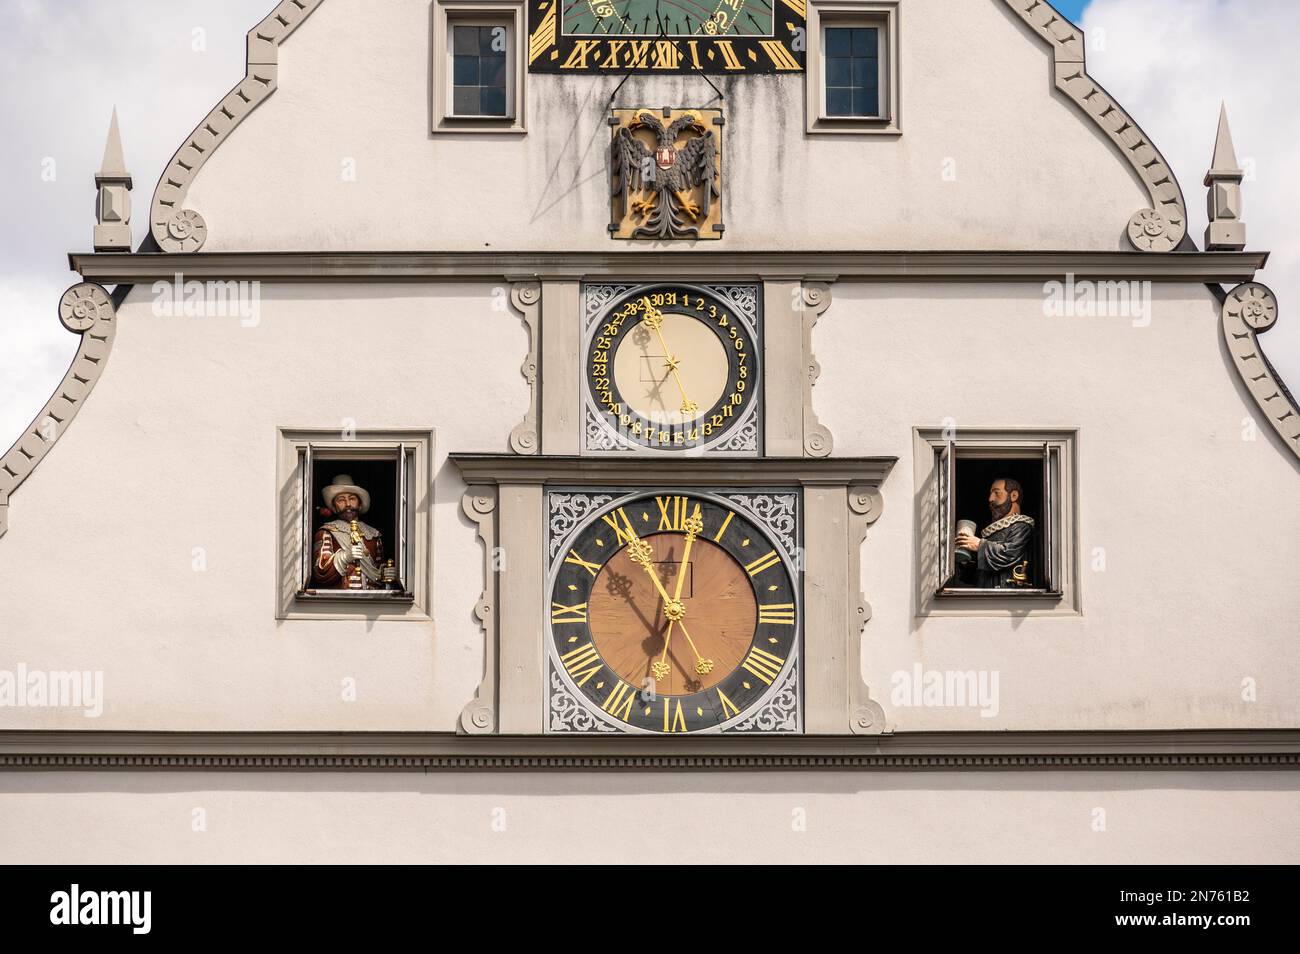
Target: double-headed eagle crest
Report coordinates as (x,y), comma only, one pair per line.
(668,191)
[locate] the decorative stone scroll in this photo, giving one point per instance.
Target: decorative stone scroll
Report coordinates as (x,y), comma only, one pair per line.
(817,441)
(866,716)
(175,228)
(479,717)
(85,309)
(527,298)
(1162,227)
(1249,310)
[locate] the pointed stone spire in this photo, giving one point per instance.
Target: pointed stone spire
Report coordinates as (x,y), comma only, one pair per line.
(113,165)
(1226,231)
(113,204)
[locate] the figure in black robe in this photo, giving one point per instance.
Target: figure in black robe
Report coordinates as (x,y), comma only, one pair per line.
(1002,559)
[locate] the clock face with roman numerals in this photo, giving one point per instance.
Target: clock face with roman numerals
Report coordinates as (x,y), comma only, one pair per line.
(666,36)
(674,612)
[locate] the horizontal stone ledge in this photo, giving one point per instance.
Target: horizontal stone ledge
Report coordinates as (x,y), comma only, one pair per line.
(675,469)
(878,266)
(1187,749)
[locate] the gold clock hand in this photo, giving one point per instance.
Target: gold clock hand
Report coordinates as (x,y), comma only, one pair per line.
(655,319)
(693,525)
(702,666)
(642,554)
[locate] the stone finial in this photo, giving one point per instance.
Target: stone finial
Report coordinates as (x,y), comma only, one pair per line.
(1226,231)
(113,204)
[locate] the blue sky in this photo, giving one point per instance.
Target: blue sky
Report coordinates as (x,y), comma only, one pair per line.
(1071,8)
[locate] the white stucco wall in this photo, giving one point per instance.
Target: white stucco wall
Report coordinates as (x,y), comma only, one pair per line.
(1196,520)
(176,449)
(1028,169)
(714,818)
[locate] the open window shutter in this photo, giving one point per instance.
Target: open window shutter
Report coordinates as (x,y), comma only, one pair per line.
(1050,466)
(943,470)
(305,469)
(403,561)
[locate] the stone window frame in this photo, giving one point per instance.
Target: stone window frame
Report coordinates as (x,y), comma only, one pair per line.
(297,447)
(446,13)
(935,450)
(884,16)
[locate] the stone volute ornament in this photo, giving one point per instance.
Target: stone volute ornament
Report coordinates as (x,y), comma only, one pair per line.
(85,309)
(1248,310)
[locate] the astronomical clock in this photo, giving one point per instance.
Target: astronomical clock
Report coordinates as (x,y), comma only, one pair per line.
(671,368)
(666,36)
(674,612)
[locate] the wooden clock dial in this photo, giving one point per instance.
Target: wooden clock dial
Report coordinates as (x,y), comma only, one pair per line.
(673,613)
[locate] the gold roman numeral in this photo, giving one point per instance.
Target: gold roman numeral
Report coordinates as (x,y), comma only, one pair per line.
(728,707)
(763,664)
(723,529)
(762,563)
(624,536)
(619,701)
(560,613)
(672,513)
(678,718)
(576,560)
(583,661)
(779,613)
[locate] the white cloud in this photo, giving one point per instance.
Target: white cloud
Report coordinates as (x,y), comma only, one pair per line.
(1170,63)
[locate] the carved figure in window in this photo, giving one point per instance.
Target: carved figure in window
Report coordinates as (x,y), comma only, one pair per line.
(1000,555)
(348,554)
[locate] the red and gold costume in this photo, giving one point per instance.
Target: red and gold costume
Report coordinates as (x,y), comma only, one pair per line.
(333,566)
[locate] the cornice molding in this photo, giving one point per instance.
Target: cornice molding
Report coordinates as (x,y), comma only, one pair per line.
(490,469)
(805,265)
(1162,227)
(173,227)
(1187,749)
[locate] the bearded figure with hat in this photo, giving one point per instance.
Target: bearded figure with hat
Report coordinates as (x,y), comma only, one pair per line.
(349,554)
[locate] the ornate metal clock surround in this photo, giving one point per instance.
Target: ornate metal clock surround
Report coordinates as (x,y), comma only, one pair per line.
(743,437)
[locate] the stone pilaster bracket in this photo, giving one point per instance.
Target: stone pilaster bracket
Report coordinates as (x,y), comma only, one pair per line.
(1249,310)
(175,228)
(817,441)
(479,717)
(85,309)
(866,715)
(1162,227)
(527,298)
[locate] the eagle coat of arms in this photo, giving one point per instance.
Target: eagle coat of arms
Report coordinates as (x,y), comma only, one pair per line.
(666,173)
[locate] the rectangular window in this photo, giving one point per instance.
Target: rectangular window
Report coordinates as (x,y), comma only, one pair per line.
(852,70)
(355,524)
(479,61)
(996,521)
(852,66)
(478,70)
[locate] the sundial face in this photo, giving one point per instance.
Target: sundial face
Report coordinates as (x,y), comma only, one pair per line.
(666,36)
(679,18)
